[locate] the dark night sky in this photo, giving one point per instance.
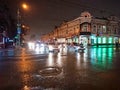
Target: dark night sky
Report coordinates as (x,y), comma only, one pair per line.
(44,15)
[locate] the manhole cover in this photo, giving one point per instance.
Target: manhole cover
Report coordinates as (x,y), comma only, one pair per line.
(50,71)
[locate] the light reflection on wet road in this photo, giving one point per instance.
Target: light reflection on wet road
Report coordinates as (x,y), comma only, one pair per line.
(95,69)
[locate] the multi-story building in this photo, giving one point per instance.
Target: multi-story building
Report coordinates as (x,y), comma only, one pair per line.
(88,30)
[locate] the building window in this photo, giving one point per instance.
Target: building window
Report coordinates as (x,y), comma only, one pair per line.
(116,31)
(104,29)
(84,29)
(66,31)
(108,30)
(94,29)
(99,30)
(110,40)
(104,40)
(99,40)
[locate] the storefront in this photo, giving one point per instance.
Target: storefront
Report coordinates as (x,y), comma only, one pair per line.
(103,40)
(85,40)
(75,39)
(61,40)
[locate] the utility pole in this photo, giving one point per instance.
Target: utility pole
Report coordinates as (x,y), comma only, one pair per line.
(18,27)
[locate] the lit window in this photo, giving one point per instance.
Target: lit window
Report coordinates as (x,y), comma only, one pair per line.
(104,29)
(94,29)
(110,40)
(99,39)
(104,40)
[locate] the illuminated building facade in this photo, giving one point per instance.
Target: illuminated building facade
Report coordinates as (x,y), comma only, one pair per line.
(88,30)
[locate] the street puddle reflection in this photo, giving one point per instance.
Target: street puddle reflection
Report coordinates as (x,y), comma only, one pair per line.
(102,58)
(24,68)
(50,61)
(81,60)
(56,59)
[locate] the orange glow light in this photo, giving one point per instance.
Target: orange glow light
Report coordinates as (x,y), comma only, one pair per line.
(25,6)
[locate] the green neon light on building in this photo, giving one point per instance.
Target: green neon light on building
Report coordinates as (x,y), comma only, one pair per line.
(99,40)
(110,39)
(95,40)
(104,40)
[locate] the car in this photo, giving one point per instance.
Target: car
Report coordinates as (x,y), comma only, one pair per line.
(79,48)
(53,48)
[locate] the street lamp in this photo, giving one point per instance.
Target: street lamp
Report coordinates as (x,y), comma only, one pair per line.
(18,27)
(25,7)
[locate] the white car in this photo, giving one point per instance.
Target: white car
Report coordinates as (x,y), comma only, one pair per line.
(79,48)
(53,48)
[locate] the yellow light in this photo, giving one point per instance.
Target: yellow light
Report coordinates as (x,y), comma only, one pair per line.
(25,6)
(26,88)
(23,26)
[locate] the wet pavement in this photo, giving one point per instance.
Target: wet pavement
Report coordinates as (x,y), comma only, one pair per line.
(98,68)
(19,53)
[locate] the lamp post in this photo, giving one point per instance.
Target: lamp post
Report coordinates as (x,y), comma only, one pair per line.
(25,7)
(18,26)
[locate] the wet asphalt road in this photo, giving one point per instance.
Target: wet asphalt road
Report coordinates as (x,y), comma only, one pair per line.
(98,68)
